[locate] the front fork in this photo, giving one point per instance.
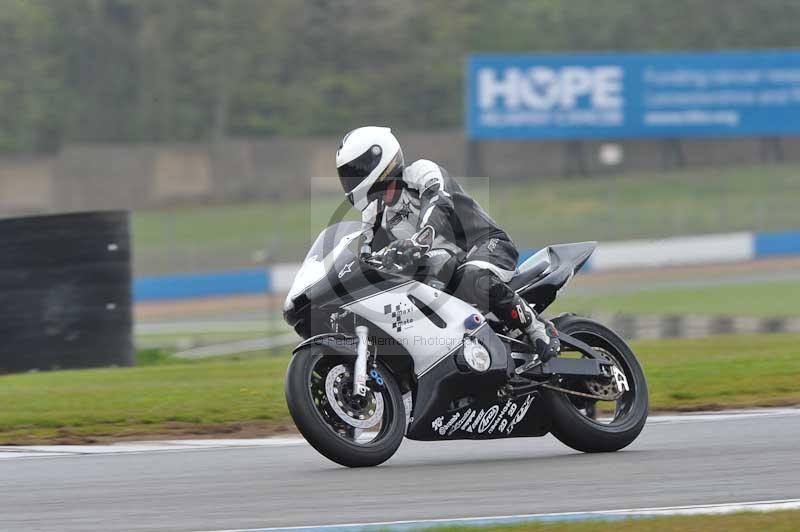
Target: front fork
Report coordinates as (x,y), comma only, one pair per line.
(360,373)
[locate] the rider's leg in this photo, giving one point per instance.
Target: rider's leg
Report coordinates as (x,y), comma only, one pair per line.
(519,316)
(484,288)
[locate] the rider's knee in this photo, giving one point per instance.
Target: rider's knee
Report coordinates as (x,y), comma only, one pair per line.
(473,287)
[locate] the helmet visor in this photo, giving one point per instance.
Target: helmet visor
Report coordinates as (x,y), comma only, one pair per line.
(353,173)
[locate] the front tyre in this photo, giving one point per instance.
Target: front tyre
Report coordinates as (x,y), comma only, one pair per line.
(347,429)
(593,426)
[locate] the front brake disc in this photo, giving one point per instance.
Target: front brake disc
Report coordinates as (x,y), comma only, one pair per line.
(338,386)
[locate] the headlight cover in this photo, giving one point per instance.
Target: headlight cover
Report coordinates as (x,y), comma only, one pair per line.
(476,356)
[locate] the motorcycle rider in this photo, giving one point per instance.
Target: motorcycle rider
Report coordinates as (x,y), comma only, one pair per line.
(468,249)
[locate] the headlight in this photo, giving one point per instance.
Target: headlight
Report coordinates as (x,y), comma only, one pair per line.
(476,356)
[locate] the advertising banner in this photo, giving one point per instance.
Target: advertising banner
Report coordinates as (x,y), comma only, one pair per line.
(630,95)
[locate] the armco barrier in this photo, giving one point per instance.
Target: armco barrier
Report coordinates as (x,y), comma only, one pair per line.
(195,285)
(706,249)
(652,253)
(776,243)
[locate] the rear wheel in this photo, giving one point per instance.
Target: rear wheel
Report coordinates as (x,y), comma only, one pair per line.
(599,425)
(350,430)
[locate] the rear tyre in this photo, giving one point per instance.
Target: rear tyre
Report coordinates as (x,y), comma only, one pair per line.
(576,422)
(329,428)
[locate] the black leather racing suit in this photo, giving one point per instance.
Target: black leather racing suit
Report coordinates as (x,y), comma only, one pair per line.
(470,252)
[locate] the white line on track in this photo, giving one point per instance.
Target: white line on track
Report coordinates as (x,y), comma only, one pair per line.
(51,451)
(702,417)
(601,515)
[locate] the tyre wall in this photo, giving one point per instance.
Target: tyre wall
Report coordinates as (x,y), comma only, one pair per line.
(65,291)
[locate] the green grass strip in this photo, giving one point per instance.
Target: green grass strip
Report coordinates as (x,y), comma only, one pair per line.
(782,521)
(246,393)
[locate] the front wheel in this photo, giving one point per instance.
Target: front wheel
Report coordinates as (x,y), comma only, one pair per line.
(607,424)
(350,430)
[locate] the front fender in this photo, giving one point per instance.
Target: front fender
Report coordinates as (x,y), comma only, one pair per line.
(332,343)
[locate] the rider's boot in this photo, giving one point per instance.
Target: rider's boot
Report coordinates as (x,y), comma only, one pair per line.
(541,334)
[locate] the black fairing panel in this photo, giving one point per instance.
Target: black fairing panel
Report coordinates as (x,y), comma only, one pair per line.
(566,260)
(483,417)
(529,276)
(453,403)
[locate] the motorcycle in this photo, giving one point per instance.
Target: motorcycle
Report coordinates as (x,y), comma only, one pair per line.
(388,356)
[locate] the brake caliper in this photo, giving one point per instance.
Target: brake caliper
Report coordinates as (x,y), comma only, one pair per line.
(620,379)
(376,377)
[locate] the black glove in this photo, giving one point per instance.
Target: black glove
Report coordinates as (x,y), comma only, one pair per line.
(401,255)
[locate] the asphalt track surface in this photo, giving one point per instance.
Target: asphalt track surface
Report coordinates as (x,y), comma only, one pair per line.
(701,459)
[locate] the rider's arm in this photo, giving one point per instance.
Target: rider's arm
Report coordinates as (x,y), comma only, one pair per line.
(438,267)
(436,204)
(370,222)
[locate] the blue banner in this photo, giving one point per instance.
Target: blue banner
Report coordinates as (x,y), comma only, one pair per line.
(628,95)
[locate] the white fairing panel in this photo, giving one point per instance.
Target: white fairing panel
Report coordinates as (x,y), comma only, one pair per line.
(403,321)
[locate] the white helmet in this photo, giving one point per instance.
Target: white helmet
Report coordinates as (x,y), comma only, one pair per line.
(367,160)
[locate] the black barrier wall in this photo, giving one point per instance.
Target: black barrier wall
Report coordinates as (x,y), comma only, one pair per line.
(65,291)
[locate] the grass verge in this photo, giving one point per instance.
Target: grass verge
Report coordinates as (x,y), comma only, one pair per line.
(783,521)
(243,396)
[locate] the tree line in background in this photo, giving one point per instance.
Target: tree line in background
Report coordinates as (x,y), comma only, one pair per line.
(187,70)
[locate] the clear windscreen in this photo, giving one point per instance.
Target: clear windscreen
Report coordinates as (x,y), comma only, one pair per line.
(323,253)
(327,241)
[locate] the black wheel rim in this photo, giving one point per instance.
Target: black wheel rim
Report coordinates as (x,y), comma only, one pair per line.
(591,409)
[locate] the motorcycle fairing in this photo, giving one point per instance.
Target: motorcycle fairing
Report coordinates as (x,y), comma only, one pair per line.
(453,404)
(308,311)
(543,275)
(428,322)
